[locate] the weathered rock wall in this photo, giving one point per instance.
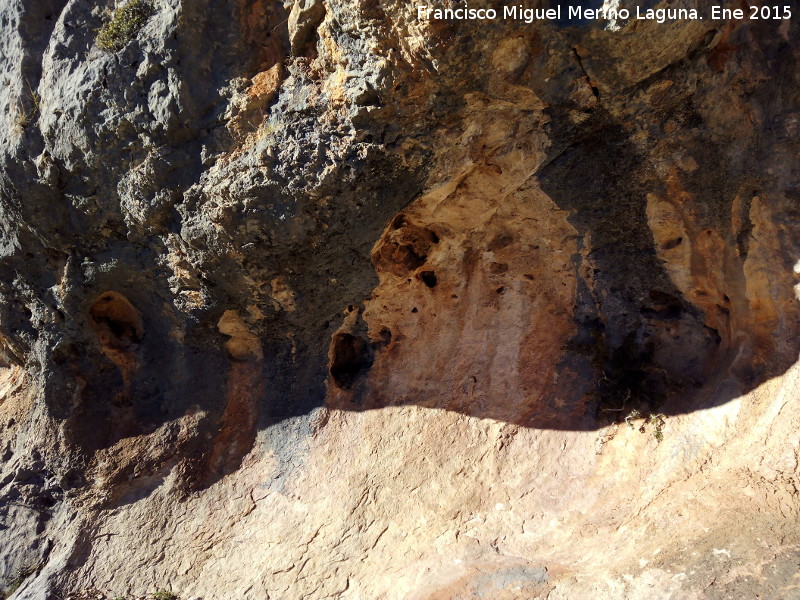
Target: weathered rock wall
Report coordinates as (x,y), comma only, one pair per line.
(318,300)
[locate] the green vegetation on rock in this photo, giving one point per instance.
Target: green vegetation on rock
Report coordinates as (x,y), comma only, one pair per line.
(19,578)
(26,116)
(123,25)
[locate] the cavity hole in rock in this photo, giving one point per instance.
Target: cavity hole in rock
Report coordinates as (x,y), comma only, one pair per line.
(501,241)
(414,310)
(384,338)
(350,358)
(429,278)
(405,248)
(670,244)
(663,306)
(410,256)
(399,222)
(117,324)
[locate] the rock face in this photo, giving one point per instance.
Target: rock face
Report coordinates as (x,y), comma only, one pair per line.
(320,300)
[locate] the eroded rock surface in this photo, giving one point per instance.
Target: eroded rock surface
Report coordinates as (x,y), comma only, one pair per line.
(318,300)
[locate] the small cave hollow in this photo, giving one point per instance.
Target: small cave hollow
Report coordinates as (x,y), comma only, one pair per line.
(405,248)
(673,243)
(429,278)
(117,325)
(351,357)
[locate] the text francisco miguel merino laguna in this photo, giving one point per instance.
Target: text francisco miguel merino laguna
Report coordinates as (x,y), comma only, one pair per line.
(661,15)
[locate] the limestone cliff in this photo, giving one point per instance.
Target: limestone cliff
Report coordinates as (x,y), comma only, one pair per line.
(318,299)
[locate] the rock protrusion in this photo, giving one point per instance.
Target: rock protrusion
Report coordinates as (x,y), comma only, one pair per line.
(304,19)
(242,344)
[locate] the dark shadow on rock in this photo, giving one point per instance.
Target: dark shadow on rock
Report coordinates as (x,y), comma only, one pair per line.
(624,353)
(642,347)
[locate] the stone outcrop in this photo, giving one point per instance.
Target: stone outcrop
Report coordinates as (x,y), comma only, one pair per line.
(316,299)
